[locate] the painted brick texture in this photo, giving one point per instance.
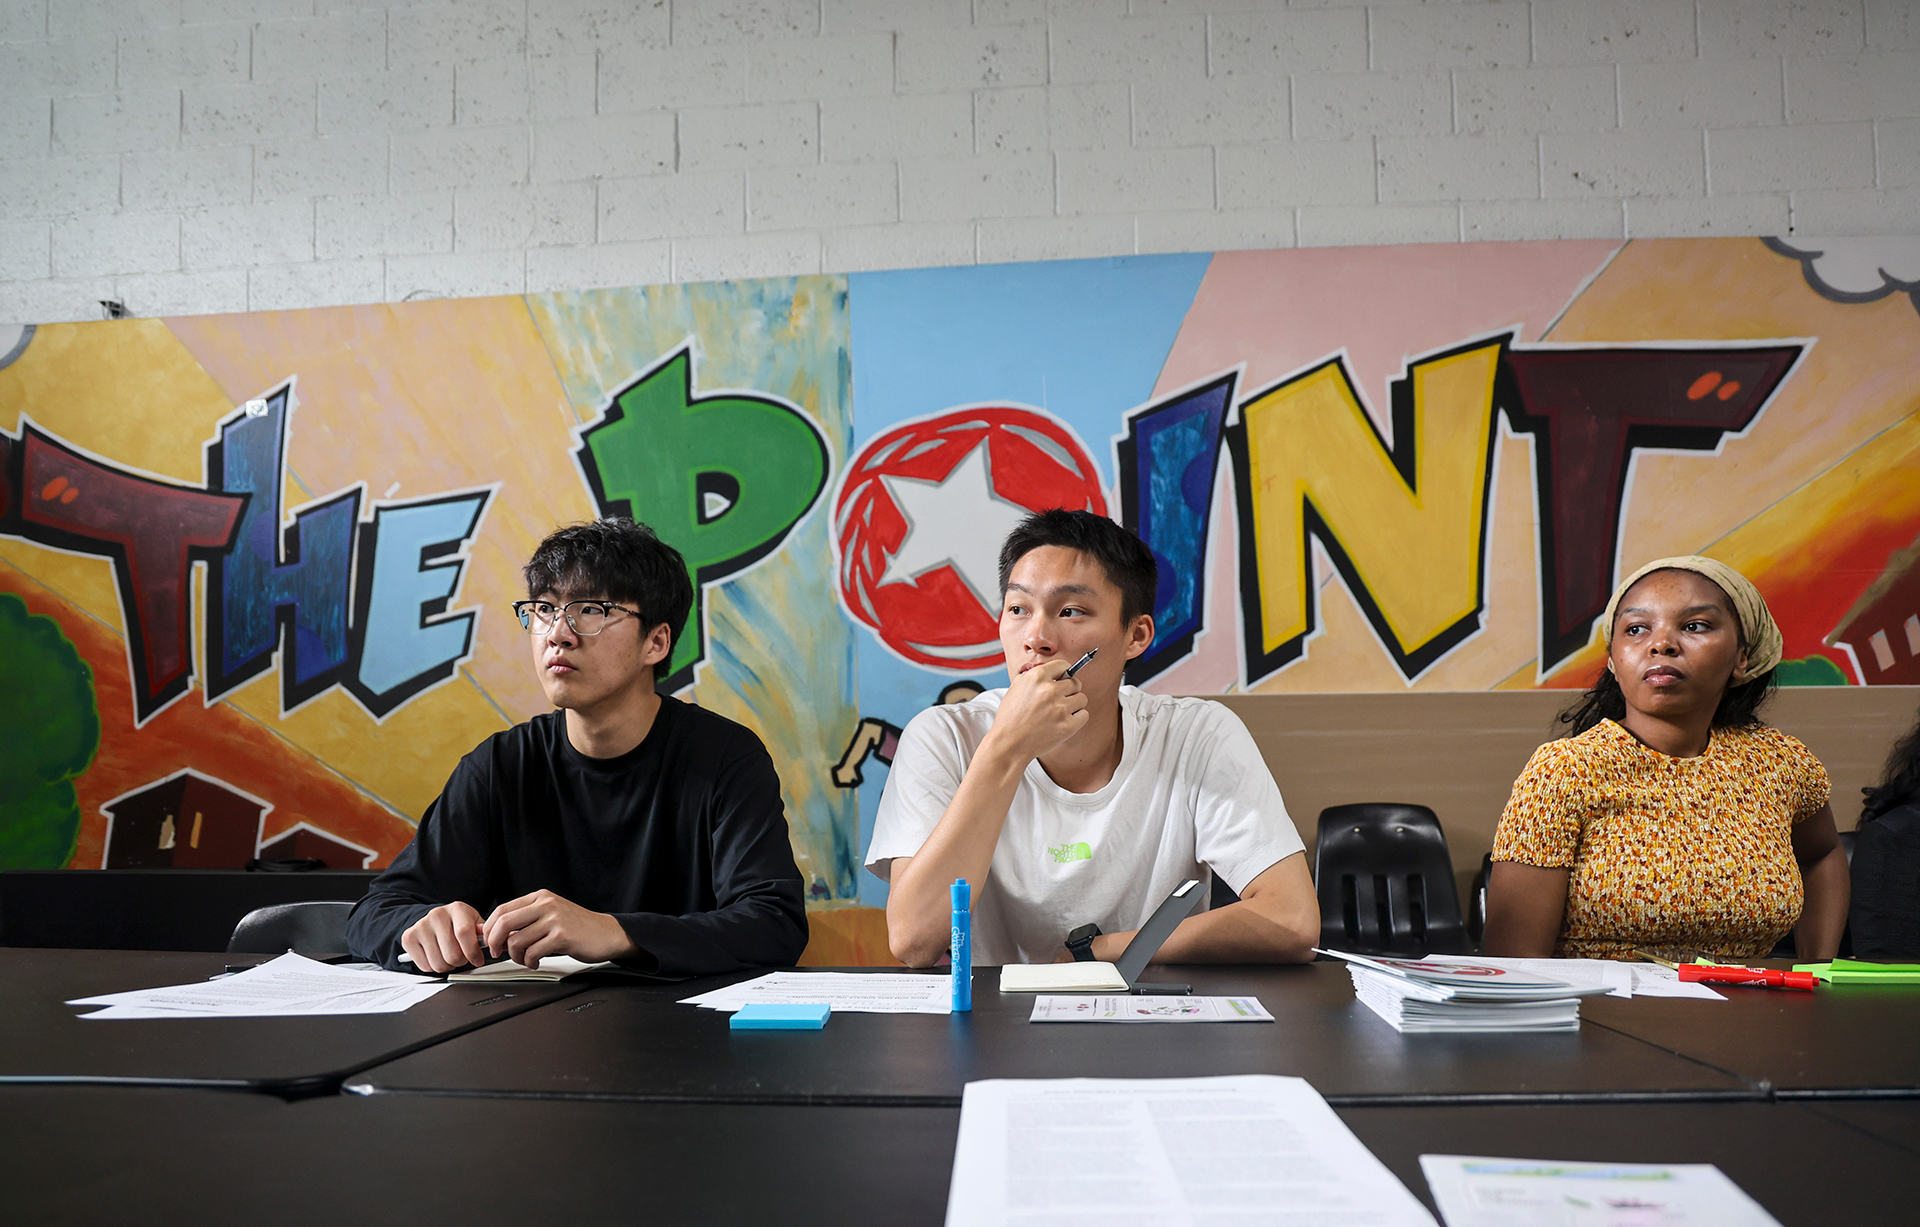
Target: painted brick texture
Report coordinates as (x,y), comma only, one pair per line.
(267,154)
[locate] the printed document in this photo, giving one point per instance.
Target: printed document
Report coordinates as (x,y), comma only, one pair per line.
(1619,979)
(287,987)
(1149,1009)
(1192,1152)
(848,992)
(1480,1192)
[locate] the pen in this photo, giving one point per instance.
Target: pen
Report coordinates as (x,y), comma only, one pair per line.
(1076,666)
(962,960)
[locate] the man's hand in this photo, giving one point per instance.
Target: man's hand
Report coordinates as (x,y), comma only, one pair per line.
(533,926)
(445,938)
(1042,708)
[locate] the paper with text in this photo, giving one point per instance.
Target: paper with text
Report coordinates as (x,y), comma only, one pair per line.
(1180,1152)
(288,986)
(1148,1009)
(1473,1191)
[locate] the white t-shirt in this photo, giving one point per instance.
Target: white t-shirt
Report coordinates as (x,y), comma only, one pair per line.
(1191,793)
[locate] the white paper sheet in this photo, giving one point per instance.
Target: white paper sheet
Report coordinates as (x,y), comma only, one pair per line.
(1619,979)
(1247,1150)
(1472,1191)
(848,992)
(285,987)
(1148,1009)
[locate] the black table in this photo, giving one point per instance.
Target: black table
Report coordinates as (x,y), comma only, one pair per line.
(1805,1168)
(87,1154)
(162,1155)
(42,1039)
(637,1043)
(1839,1041)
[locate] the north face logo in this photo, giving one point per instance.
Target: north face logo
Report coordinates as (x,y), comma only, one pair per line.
(1071,852)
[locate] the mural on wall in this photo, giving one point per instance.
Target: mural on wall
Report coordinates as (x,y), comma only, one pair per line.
(255,570)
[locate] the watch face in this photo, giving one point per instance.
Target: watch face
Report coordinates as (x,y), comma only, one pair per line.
(1085,933)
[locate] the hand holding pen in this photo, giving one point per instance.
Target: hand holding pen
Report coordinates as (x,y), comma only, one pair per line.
(1044,706)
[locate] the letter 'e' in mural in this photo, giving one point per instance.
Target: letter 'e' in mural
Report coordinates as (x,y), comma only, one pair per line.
(255,569)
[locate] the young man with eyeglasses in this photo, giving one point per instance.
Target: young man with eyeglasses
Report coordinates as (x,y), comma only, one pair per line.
(623,825)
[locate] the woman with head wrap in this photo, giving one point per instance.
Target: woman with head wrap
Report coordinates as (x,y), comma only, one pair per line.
(1671,818)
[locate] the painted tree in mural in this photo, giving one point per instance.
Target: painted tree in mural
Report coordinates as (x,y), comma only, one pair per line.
(49,729)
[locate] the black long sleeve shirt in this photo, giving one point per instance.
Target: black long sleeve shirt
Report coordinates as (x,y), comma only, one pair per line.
(683,840)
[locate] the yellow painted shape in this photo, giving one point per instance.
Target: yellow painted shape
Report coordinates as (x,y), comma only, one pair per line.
(1857,379)
(124,390)
(1416,551)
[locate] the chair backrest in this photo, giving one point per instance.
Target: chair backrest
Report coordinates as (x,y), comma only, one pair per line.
(318,927)
(1385,881)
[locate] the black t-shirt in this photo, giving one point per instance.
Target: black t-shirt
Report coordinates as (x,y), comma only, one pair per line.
(683,840)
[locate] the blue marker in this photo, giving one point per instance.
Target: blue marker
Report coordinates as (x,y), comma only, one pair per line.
(962,946)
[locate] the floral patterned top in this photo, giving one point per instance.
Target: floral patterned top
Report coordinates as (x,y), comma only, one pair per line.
(1667,852)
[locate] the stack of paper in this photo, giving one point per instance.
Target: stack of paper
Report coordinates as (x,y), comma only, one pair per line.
(1421,996)
(287,987)
(848,992)
(1617,978)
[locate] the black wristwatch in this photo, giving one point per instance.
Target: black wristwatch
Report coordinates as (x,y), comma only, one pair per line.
(1080,941)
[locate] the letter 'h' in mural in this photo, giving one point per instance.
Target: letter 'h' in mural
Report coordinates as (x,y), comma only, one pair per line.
(340,602)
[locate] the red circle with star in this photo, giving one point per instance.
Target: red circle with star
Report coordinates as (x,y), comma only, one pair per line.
(936,618)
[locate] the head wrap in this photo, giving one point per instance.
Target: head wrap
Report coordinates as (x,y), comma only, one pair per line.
(1762,633)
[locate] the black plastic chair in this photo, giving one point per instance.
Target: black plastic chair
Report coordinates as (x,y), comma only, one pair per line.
(315,927)
(1385,882)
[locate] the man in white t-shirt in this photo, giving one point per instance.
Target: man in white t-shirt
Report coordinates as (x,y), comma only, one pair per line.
(1074,805)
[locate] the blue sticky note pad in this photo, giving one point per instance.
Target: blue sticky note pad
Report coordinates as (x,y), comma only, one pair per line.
(809,1017)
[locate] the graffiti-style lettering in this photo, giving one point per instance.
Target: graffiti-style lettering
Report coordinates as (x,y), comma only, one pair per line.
(395,574)
(1589,410)
(263,585)
(1405,526)
(403,640)
(152,530)
(1167,461)
(722,478)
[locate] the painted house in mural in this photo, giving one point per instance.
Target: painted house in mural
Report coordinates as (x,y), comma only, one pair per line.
(1882,630)
(307,842)
(185,821)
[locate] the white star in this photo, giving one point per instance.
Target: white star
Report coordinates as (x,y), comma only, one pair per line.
(959,522)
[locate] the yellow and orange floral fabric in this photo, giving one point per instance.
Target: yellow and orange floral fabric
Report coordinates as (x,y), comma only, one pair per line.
(1667,852)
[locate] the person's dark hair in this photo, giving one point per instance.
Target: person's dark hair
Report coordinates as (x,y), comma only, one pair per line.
(1125,558)
(1739,707)
(621,560)
(1900,785)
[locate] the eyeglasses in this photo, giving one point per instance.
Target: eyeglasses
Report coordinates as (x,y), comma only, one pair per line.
(585,617)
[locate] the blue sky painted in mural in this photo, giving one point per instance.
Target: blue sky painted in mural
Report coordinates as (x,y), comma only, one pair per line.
(1082,339)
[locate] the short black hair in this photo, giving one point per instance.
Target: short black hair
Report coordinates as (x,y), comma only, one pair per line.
(621,560)
(1127,561)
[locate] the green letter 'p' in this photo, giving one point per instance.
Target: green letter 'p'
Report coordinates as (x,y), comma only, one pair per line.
(722,479)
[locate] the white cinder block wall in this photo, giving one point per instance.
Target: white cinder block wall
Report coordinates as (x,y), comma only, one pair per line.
(188,156)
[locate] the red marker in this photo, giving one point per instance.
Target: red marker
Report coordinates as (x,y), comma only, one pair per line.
(1760,977)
